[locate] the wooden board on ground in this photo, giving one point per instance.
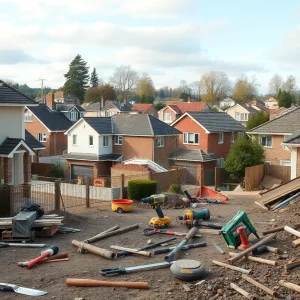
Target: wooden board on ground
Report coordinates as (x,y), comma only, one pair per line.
(6,236)
(273,195)
(270,182)
(47,231)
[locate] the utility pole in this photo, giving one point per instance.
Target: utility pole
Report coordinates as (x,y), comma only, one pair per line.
(42,87)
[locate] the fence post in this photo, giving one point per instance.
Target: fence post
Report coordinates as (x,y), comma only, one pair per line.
(57,194)
(122,186)
(11,199)
(87,192)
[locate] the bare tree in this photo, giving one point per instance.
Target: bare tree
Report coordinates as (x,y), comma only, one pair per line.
(124,80)
(290,85)
(145,89)
(214,86)
(196,89)
(245,88)
(275,84)
(184,87)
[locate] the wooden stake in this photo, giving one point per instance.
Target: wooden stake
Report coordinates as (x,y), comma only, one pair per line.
(241,291)
(292,231)
(240,255)
(296,243)
(221,264)
(55,260)
(290,285)
(130,250)
(292,265)
(257,259)
(259,285)
(209,231)
(95,237)
(277,229)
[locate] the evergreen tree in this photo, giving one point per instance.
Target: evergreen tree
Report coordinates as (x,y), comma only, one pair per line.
(77,78)
(258,119)
(94,78)
(285,99)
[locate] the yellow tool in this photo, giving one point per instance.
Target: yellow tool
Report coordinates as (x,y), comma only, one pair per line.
(155,201)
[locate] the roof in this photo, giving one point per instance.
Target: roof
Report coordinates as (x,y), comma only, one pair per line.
(192,106)
(101,125)
(141,125)
(282,110)
(9,95)
(93,157)
(32,142)
(11,144)
(53,120)
(93,107)
(294,139)
(145,162)
(118,104)
(217,122)
(192,155)
(271,99)
(67,107)
(228,99)
(142,107)
(249,108)
(175,108)
(287,123)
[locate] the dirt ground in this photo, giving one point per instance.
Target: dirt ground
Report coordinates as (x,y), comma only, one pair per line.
(51,277)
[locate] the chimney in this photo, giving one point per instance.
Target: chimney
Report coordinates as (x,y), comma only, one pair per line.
(50,101)
(189,99)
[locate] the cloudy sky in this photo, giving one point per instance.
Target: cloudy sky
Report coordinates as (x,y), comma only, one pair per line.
(171,40)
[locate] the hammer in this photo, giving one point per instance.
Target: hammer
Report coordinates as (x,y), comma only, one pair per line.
(51,251)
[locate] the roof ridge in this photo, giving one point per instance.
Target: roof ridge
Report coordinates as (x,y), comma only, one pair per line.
(152,131)
(10,87)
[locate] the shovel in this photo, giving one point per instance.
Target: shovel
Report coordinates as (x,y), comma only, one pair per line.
(6,287)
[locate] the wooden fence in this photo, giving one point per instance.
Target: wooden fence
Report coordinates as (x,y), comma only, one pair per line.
(41,169)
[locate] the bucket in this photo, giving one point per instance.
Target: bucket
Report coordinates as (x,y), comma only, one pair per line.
(121,205)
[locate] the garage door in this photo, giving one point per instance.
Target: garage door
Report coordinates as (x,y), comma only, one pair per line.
(82,171)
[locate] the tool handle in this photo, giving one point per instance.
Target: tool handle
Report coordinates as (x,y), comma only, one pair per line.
(6,288)
(210,225)
(93,283)
(37,260)
(113,271)
(191,234)
(4,245)
(197,245)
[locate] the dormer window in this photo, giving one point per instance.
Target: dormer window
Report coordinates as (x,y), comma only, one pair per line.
(73,115)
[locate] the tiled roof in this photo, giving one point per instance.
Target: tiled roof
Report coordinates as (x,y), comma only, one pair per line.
(93,157)
(32,142)
(101,125)
(175,108)
(142,107)
(192,107)
(217,122)
(192,155)
(53,120)
(9,95)
(293,139)
(118,104)
(287,123)
(9,145)
(249,108)
(67,107)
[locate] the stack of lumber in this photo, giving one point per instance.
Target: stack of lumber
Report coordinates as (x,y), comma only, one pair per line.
(44,221)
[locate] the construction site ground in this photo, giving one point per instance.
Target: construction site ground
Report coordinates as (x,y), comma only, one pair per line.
(51,276)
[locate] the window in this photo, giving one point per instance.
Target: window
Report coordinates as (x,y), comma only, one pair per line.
(105,141)
(232,137)
(118,140)
(42,137)
(238,116)
(221,138)
(73,115)
(220,163)
(91,140)
(74,139)
(160,141)
(167,117)
(111,113)
(191,138)
(240,134)
(266,141)
(28,117)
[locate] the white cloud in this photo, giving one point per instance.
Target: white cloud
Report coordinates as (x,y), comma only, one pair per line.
(60,52)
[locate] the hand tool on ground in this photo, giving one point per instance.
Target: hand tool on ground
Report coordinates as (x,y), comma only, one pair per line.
(187,269)
(229,233)
(124,253)
(51,251)
(219,248)
(259,285)
(120,271)
(55,260)
(6,287)
(240,255)
(292,265)
(65,229)
(133,251)
(266,248)
(186,247)
(155,202)
(290,285)
(171,256)
(193,215)
(221,264)
(151,231)
(198,223)
(96,237)
(95,250)
(241,291)
(56,256)
(95,283)
(257,259)
(23,245)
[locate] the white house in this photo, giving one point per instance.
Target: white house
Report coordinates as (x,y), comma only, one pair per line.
(15,153)
(271,103)
(242,112)
(227,102)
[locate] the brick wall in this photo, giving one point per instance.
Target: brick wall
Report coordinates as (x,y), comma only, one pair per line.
(7,162)
(161,154)
(41,169)
(58,142)
(50,100)
(221,150)
(27,167)
(277,152)
(165,179)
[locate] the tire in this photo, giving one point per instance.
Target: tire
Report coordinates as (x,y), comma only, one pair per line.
(119,210)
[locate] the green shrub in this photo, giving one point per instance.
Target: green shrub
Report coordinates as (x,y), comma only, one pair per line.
(141,188)
(57,171)
(175,188)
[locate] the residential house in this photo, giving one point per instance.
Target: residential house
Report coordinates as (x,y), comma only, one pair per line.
(48,125)
(260,104)
(145,108)
(95,144)
(226,103)
(281,111)
(272,134)
(60,97)
(34,144)
(171,112)
(242,112)
(271,103)
(15,152)
(205,140)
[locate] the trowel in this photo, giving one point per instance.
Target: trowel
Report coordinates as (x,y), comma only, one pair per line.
(6,287)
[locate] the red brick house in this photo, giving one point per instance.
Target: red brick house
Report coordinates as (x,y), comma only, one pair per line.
(96,144)
(145,108)
(171,112)
(48,126)
(205,141)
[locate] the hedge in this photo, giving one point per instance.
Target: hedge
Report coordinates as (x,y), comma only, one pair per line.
(141,188)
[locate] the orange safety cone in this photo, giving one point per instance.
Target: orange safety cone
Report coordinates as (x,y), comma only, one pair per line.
(244,239)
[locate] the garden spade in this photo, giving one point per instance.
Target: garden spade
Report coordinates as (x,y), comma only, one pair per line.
(6,287)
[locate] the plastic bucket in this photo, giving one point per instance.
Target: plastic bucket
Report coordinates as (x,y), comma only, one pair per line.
(121,205)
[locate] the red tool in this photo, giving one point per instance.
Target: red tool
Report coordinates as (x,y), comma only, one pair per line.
(51,251)
(244,239)
(151,231)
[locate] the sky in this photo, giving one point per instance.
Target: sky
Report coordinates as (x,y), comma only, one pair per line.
(170,40)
